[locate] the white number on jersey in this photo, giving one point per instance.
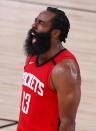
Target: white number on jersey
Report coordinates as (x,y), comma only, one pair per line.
(25,102)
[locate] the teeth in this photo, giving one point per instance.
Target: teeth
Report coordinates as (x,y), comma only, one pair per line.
(32,33)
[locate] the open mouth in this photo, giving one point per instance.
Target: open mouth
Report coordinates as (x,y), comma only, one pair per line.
(34,38)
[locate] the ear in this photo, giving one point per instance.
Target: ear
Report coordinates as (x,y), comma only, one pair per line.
(56,33)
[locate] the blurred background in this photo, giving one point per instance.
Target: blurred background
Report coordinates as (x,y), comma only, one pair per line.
(16,18)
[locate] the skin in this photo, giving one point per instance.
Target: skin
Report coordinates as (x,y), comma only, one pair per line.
(43,24)
(65,77)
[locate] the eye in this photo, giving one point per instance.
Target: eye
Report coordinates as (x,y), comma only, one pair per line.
(41,22)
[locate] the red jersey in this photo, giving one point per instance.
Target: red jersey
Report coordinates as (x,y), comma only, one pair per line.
(39,104)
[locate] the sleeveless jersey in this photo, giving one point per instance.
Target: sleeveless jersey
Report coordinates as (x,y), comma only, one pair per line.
(39,104)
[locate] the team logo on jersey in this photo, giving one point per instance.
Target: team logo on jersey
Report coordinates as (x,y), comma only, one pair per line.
(33,83)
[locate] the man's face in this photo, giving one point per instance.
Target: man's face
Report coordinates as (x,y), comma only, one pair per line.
(39,37)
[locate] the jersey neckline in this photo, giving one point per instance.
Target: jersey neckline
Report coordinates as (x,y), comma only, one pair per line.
(52,58)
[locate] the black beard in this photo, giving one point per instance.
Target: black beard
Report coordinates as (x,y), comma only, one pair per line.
(42,44)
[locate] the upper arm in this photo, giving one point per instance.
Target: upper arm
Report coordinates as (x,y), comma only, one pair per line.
(66,79)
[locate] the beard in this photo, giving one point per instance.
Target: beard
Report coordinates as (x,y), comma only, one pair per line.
(41,45)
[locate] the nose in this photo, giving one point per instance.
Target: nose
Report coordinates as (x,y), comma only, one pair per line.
(34,25)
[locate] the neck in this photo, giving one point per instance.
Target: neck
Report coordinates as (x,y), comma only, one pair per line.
(50,53)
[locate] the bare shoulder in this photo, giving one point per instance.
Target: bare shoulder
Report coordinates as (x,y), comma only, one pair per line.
(27,60)
(66,72)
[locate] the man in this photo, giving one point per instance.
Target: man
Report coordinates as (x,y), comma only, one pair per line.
(51,80)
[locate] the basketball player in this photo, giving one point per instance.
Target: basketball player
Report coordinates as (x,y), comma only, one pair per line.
(51,79)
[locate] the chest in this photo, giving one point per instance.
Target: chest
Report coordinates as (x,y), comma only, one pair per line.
(35,79)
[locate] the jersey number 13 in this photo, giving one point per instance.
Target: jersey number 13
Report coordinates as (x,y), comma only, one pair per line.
(25,102)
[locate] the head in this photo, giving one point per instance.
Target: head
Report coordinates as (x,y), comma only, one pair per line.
(50,26)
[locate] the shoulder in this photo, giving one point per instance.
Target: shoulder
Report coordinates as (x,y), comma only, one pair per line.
(66,66)
(29,58)
(66,72)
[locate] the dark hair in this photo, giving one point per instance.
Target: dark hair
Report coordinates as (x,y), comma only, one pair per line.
(60,21)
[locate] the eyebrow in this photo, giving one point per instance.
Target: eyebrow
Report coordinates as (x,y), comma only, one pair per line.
(36,19)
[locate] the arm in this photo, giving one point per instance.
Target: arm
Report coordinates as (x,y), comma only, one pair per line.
(66,80)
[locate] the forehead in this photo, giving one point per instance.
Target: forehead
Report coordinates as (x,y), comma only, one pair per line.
(46,16)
